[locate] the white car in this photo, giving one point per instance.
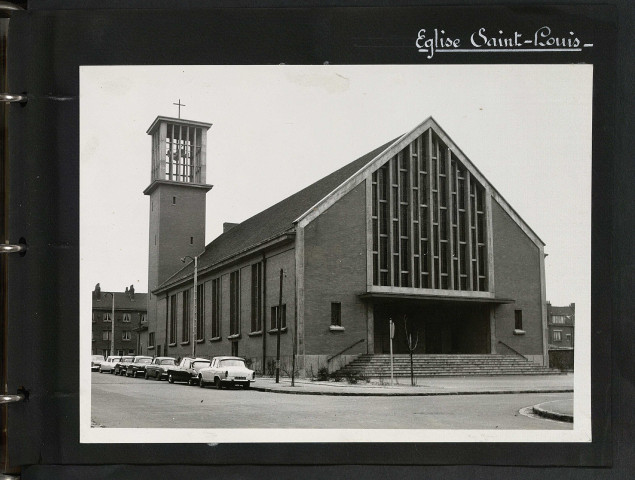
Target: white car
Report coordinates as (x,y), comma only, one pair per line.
(108,364)
(226,371)
(95,361)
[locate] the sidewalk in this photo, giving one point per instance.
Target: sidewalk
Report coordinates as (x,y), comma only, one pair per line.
(427,386)
(561,410)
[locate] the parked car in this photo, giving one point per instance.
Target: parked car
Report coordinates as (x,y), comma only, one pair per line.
(158,369)
(187,370)
(109,364)
(226,371)
(121,365)
(138,366)
(95,361)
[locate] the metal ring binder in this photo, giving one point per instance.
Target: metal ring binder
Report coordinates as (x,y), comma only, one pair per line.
(11,98)
(6,248)
(9,7)
(12,398)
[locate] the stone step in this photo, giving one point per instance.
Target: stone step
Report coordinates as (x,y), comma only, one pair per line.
(443,364)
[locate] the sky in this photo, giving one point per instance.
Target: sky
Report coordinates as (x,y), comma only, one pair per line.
(279,128)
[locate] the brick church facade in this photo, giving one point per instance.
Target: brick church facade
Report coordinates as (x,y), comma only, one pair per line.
(411,231)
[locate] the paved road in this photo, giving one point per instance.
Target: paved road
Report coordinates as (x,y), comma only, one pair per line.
(126,403)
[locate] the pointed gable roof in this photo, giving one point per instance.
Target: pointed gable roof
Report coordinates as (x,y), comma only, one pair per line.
(390,150)
(304,206)
(271,223)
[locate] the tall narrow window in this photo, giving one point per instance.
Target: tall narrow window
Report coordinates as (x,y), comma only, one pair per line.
(172,319)
(336,314)
(234,303)
(151,339)
(105,335)
(200,312)
(216,308)
(274,317)
(185,333)
(518,317)
(557,335)
(256,297)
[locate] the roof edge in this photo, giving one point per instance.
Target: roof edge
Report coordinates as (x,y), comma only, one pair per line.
(429,122)
(222,262)
(182,121)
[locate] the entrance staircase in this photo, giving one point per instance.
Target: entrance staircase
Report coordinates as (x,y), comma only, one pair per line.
(378,365)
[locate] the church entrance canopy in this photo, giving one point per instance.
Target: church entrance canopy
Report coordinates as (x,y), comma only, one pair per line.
(440,324)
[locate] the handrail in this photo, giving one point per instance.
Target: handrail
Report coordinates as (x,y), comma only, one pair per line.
(347,348)
(515,351)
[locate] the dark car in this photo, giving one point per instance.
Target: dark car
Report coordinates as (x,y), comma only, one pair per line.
(158,369)
(120,367)
(138,366)
(187,370)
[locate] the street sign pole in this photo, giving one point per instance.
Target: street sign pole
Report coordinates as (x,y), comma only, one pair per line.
(392,335)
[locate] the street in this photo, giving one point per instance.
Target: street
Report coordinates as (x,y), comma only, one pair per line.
(123,402)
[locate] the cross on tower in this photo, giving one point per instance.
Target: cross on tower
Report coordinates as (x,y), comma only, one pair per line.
(180,105)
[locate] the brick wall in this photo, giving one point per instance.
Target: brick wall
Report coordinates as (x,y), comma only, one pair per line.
(99,326)
(516,276)
(335,271)
(250,344)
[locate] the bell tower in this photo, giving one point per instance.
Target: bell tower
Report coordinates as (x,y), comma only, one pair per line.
(177,198)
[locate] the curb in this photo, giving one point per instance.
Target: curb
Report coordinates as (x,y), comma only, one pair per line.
(406,394)
(561,417)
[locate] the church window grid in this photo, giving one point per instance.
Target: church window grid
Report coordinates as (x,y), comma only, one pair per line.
(256,297)
(278,316)
(234,303)
(428,220)
(200,312)
(172,333)
(185,318)
(216,308)
(176,153)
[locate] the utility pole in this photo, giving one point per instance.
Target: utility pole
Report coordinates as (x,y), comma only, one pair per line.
(112,331)
(112,324)
(195,321)
(195,306)
(279,328)
(295,348)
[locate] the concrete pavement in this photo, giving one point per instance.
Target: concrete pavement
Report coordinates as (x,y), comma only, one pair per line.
(428,386)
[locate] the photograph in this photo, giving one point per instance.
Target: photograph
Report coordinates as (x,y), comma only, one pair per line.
(335,253)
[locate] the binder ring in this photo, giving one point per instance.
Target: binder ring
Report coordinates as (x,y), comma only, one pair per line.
(9,7)
(12,398)
(11,98)
(6,248)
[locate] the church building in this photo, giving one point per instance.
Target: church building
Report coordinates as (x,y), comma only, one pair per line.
(410,232)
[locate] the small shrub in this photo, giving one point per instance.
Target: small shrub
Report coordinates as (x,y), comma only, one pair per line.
(271,368)
(352,378)
(336,376)
(323,374)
